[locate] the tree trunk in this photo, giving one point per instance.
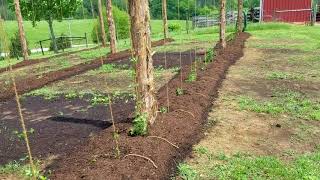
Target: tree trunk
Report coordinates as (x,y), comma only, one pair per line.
(53,38)
(165,19)
(240,16)
(223,24)
(141,43)
(103,32)
(112,28)
(23,40)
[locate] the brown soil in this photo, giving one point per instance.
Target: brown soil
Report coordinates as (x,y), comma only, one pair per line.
(181,126)
(33,82)
(36,61)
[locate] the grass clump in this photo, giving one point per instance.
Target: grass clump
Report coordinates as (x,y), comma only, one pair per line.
(289,102)
(282,76)
(179,92)
(186,172)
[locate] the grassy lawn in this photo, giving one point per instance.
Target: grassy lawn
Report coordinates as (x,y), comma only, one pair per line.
(266,121)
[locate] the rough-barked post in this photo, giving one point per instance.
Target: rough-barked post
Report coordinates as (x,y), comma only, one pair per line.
(240,16)
(112,27)
(142,52)
(22,35)
(165,19)
(103,32)
(223,23)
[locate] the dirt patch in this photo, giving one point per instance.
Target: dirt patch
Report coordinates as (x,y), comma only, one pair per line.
(182,126)
(60,126)
(36,61)
(30,83)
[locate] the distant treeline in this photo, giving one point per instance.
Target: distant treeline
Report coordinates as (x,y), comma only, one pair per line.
(187,8)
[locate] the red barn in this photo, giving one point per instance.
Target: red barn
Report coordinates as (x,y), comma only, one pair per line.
(286,10)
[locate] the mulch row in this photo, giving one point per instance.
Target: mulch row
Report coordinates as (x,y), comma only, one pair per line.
(182,126)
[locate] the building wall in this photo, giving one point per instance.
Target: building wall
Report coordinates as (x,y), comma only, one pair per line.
(287,10)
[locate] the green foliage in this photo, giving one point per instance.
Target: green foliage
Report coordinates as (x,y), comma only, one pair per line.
(20,170)
(121,20)
(283,76)
(174,27)
(44,92)
(15,47)
(209,55)
(179,91)
(99,99)
(186,172)
(140,125)
(192,75)
(241,166)
(62,43)
(21,135)
(163,109)
(283,102)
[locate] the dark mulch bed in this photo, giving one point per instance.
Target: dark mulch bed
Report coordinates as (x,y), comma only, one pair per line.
(36,61)
(59,125)
(182,126)
(31,83)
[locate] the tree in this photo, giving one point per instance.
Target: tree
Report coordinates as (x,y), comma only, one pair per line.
(165,19)
(112,28)
(49,10)
(22,35)
(223,23)
(240,16)
(103,32)
(141,44)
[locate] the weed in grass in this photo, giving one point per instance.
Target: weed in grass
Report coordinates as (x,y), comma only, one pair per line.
(179,92)
(283,76)
(186,172)
(289,102)
(242,166)
(201,150)
(140,125)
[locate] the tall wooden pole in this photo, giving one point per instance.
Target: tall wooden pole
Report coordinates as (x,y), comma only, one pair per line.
(103,32)
(112,27)
(165,18)
(223,23)
(141,44)
(22,35)
(240,16)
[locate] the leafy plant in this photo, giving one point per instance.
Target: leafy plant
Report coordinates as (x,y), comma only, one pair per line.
(209,55)
(15,47)
(99,99)
(121,19)
(192,76)
(163,109)
(179,91)
(174,27)
(71,95)
(21,135)
(140,126)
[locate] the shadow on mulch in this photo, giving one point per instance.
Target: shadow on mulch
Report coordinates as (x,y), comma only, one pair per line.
(182,126)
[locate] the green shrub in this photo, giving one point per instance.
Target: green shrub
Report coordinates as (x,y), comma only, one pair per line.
(174,27)
(15,47)
(62,42)
(140,126)
(121,19)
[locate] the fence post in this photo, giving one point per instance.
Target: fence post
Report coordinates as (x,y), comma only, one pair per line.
(85,35)
(41,48)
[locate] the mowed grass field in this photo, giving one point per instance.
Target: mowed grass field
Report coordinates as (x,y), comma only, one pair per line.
(71,27)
